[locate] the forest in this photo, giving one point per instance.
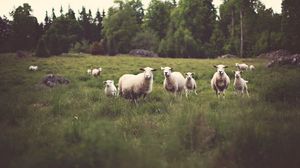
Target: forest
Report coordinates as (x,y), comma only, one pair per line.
(185,28)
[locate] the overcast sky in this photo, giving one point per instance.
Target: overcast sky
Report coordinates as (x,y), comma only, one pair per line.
(40,6)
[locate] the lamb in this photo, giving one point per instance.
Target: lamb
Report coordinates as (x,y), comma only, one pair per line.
(33,68)
(110,88)
(174,81)
(241,67)
(190,84)
(134,86)
(252,67)
(220,80)
(89,72)
(96,71)
(240,85)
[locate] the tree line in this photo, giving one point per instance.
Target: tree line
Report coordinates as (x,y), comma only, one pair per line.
(189,28)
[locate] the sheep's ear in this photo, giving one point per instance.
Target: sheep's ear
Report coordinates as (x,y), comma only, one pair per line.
(162,68)
(104,82)
(153,69)
(142,69)
(193,73)
(215,66)
(171,69)
(226,66)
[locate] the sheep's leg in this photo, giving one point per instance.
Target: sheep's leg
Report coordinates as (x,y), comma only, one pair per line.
(247,92)
(195,91)
(186,93)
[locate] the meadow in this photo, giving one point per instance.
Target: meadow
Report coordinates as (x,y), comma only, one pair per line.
(76,125)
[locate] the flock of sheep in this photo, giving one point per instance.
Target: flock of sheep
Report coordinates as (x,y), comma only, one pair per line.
(135,86)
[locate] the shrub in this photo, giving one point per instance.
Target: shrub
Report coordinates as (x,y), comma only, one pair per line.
(97,48)
(82,46)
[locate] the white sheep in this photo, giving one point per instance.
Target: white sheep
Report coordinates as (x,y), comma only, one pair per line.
(134,86)
(220,80)
(89,72)
(252,67)
(33,68)
(190,84)
(240,85)
(110,88)
(96,71)
(241,67)
(174,81)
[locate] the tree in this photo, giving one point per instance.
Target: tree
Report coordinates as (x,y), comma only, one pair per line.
(6,34)
(120,26)
(41,49)
(99,23)
(26,28)
(62,35)
(291,24)
(158,18)
(47,21)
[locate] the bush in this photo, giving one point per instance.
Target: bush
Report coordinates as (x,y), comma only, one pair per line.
(97,48)
(82,46)
(41,49)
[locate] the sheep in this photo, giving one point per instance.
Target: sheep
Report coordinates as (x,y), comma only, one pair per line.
(174,81)
(89,72)
(134,86)
(33,68)
(96,72)
(190,84)
(110,88)
(240,85)
(220,80)
(241,67)
(252,67)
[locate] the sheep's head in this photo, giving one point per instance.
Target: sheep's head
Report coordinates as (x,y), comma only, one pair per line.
(189,75)
(100,69)
(167,71)
(237,74)
(236,64)
(109,83)
(148,72)
(220,68)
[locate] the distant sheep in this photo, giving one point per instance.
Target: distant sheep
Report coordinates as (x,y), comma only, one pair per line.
(241,67)
(190,84)
(220,80)
(33,68)
(240,85)
(252,67)
(110,88)
(174,81)
(89,72)
(96,72)
(134,86)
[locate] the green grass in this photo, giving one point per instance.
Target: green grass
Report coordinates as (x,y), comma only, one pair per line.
(39,128)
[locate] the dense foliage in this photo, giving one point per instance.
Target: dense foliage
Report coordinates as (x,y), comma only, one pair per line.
(186,28)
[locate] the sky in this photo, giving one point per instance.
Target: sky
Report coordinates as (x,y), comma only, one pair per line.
(41,6)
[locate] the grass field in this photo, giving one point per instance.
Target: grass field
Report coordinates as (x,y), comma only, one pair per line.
(38,128)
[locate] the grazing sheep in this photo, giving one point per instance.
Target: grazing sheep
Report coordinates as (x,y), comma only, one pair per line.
(240,85)
(220,80)
(241,67)
(96,71)
(134,86)
(190,83)
(110,88)
(89,71)
(33,68)
(252,67)
(174,81)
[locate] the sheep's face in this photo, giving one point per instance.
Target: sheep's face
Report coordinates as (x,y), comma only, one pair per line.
(237,74)
(148,72)
(220,69)
(109,83)
(167,71)
(189,75)
(236,64)
(100,69)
